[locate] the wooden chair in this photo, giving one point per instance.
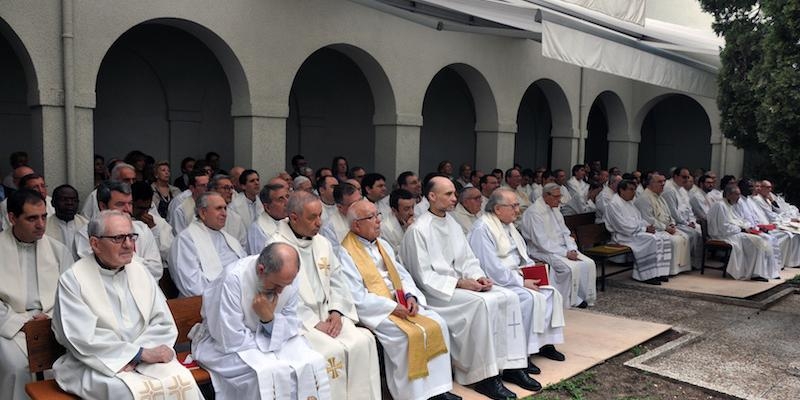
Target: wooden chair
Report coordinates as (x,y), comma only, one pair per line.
(44,350)
(711,247)
(592,240)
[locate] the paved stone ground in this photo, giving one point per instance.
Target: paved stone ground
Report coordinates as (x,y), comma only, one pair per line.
(735,349)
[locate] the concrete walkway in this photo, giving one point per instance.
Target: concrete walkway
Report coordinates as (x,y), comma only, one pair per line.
(750,350)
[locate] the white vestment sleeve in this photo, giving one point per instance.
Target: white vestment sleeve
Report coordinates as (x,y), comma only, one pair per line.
(485,249)
(646,210)
(372,309)
(75,327)
(414,252)
(618,220)
(184,267)
(147,250)
(256,239)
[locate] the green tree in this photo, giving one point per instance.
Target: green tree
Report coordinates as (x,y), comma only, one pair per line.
(758,96)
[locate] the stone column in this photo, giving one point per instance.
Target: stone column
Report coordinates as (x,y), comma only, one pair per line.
(495,148)
(397,144)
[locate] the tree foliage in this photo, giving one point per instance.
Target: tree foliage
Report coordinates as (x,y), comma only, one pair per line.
(759,83)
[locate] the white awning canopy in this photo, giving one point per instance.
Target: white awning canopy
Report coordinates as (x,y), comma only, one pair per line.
(604,35)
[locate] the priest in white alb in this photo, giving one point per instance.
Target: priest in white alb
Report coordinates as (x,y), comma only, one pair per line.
(676,195)
(251,338)
(65,223)
(468,209)
(30,265)
(652,250)
(336,227)
(655,211)
(274,198)
(246,203)
(751,254)
(501,251)
(326,307)
(548,239)
(415,340)
(200,253)
(394,224)
(444,268)
(113,195)
(113,320)
(181,208)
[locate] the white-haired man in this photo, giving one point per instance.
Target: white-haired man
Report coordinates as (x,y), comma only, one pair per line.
(548,239)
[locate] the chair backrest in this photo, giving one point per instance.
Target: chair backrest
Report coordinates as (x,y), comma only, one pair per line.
(591,235)
(574,221)
(43,348)
(186,312)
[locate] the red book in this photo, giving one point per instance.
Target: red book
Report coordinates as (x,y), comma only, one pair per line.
(536,271)
(767,227)
(189,362)
(401,297)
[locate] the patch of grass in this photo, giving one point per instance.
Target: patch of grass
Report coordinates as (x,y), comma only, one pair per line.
(542,397)
(576,387)
(795,280)
(638,350)
(635,398)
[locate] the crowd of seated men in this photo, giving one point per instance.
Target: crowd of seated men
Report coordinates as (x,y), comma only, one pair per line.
(307,275)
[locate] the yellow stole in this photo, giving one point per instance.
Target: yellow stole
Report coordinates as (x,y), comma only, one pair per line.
(425,339)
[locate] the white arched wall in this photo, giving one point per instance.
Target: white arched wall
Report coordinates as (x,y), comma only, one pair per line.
(617,118)
(312,89)
(648,106)
(19,80)
(261,61)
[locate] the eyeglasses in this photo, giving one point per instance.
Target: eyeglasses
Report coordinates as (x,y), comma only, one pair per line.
(513,205)
(376,215)
(228,187)
(119,239)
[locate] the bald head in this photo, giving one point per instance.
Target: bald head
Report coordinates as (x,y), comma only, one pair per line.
(279,181)
(20,172)
(441,195)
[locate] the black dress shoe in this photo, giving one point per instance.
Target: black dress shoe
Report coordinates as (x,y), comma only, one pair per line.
(549,351)
(583,304)
(521,379)
(663,278)
(759,279)
(532,368)
(494,389)
(654,281)
(446,396)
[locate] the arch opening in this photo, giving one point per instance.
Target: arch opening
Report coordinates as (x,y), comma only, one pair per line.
(449,122)
(331,110)
(162,90)
(667,141)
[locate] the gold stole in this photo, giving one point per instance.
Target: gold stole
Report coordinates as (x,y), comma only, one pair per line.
(425,339)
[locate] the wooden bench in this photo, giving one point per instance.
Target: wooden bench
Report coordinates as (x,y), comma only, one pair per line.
(574,221)
(592,240)
(44,350)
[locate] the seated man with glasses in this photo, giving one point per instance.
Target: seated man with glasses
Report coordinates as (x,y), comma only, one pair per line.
(114,195)
(548,238)
(115,324)
(502,253)
(201,252)
(388,302)
(468,209)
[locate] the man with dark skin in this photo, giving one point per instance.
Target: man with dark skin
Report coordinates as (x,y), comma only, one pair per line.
(66,221)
